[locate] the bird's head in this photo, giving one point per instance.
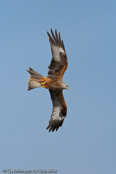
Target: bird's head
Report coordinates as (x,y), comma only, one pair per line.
(64,86)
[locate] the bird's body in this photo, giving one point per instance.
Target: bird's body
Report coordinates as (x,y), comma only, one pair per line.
(53,81)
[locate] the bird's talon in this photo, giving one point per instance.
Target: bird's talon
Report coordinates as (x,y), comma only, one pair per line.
(42,85)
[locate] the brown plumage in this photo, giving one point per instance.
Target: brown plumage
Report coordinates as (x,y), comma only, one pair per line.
(53,81)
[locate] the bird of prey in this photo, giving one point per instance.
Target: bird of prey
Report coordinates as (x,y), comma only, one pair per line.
(53,81)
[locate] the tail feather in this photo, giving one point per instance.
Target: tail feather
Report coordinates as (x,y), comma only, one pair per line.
(33,81)
(34,74)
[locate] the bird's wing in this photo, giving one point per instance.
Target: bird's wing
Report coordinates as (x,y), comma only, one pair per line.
(59,110)
(59,61)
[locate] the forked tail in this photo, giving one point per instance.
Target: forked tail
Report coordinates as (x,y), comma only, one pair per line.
(33,81)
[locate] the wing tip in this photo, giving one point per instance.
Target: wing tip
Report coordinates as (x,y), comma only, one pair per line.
(51,128)
(56,38)
(54,126)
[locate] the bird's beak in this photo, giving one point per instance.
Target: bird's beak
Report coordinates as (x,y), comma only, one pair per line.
(67,88)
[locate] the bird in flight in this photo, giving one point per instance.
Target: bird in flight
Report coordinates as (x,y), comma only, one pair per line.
(53,81)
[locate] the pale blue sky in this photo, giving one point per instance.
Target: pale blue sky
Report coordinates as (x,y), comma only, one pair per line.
(86,143)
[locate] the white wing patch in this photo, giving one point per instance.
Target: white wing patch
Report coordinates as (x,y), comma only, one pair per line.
(56,112)
(56,50)
(61,50)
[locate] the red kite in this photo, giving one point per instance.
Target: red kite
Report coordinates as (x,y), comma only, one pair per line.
(53,81)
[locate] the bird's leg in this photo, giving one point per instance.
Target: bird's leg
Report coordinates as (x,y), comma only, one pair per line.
(43,81)
(42,85)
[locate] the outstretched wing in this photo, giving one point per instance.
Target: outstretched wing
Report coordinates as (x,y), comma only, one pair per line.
(59,61)
(59,110)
